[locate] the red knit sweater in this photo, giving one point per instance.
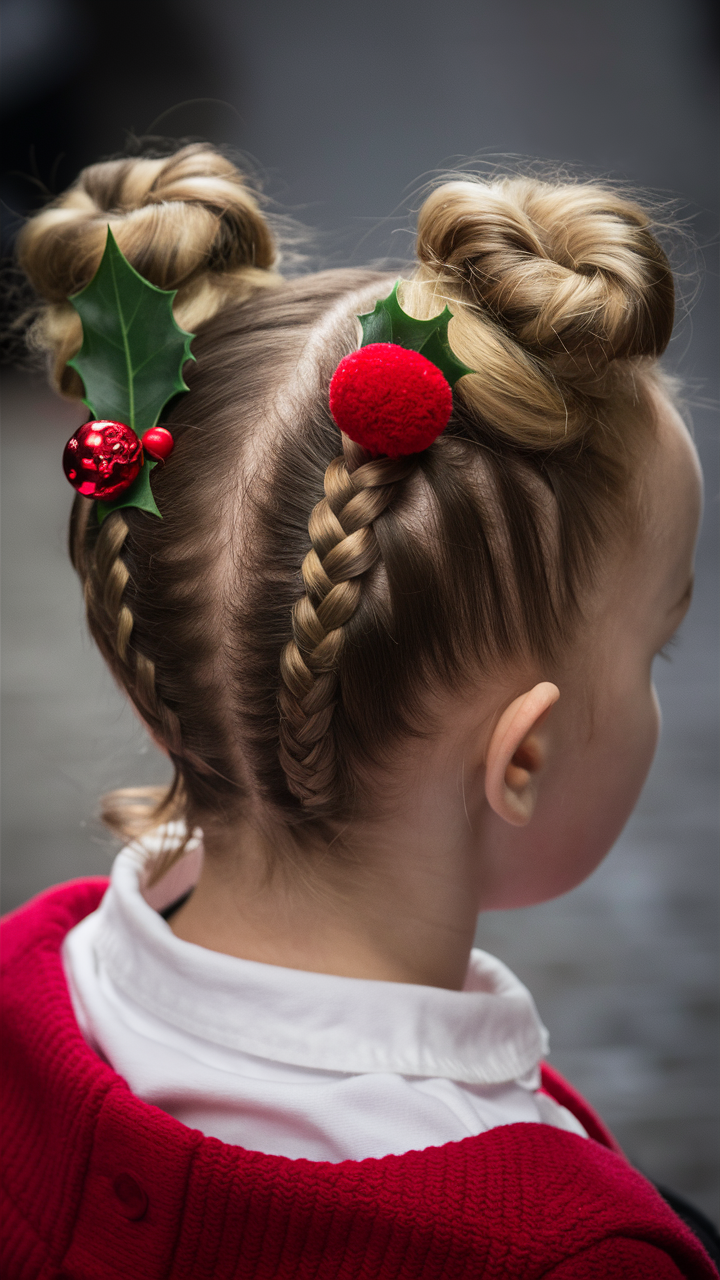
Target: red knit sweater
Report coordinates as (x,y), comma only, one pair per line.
(97,1185)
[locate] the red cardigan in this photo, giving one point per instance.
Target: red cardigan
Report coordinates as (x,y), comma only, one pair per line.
(97,1185)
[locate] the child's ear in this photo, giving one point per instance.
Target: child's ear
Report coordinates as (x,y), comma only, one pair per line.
(516,753)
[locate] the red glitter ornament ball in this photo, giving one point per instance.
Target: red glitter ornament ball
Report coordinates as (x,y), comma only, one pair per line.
(390,399)
(102,459)
(158,442)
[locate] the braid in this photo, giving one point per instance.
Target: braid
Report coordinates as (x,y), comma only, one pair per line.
(343,548)
(106,577)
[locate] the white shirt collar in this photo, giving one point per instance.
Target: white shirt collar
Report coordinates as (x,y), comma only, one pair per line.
(488,1033)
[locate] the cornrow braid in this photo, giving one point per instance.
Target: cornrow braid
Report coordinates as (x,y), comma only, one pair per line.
(105,578)
(344,547)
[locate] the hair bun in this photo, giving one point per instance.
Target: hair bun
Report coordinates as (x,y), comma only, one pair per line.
(187,222)
(560,267)
(554,282)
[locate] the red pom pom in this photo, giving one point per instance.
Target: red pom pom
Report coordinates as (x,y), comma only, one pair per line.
(102,459)
(158,442)
(390,399)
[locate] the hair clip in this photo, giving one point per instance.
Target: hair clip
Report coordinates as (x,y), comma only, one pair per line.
(393,395)
(131,363)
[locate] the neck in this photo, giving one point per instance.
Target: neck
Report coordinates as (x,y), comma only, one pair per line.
(399,906)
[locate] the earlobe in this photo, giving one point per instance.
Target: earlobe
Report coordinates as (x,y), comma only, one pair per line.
(515,755)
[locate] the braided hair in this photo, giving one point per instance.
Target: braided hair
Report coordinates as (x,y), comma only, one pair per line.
(282,628)
(343,548)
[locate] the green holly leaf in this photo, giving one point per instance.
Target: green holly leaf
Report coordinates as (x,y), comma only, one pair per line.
(139,495)
(133,350)
(389,323)
(131,359)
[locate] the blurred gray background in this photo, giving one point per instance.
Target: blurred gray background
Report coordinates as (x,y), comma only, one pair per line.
(347,108)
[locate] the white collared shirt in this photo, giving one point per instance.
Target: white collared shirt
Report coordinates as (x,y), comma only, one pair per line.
(295,1063)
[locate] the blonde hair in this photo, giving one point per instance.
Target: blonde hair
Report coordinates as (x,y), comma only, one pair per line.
(187,222)
(281,627)
(553,289)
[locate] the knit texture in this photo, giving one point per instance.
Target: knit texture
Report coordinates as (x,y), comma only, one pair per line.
(390,400)
(97,1185)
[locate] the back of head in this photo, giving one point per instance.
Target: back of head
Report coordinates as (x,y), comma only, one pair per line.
(282,628)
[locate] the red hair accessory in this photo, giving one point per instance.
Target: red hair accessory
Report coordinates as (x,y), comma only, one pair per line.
(394,395)
(131,364)
(390,399)
(158,443)
(103,459)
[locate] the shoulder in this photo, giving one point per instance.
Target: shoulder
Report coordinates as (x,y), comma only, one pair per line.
(619,1256)
(543,1199)
(521,1200)
(34,999)
(49,916)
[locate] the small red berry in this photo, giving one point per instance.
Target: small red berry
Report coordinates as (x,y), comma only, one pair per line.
(390,399)
(102,459)
(158,442)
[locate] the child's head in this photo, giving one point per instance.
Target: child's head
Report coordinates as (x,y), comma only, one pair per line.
(317,637)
